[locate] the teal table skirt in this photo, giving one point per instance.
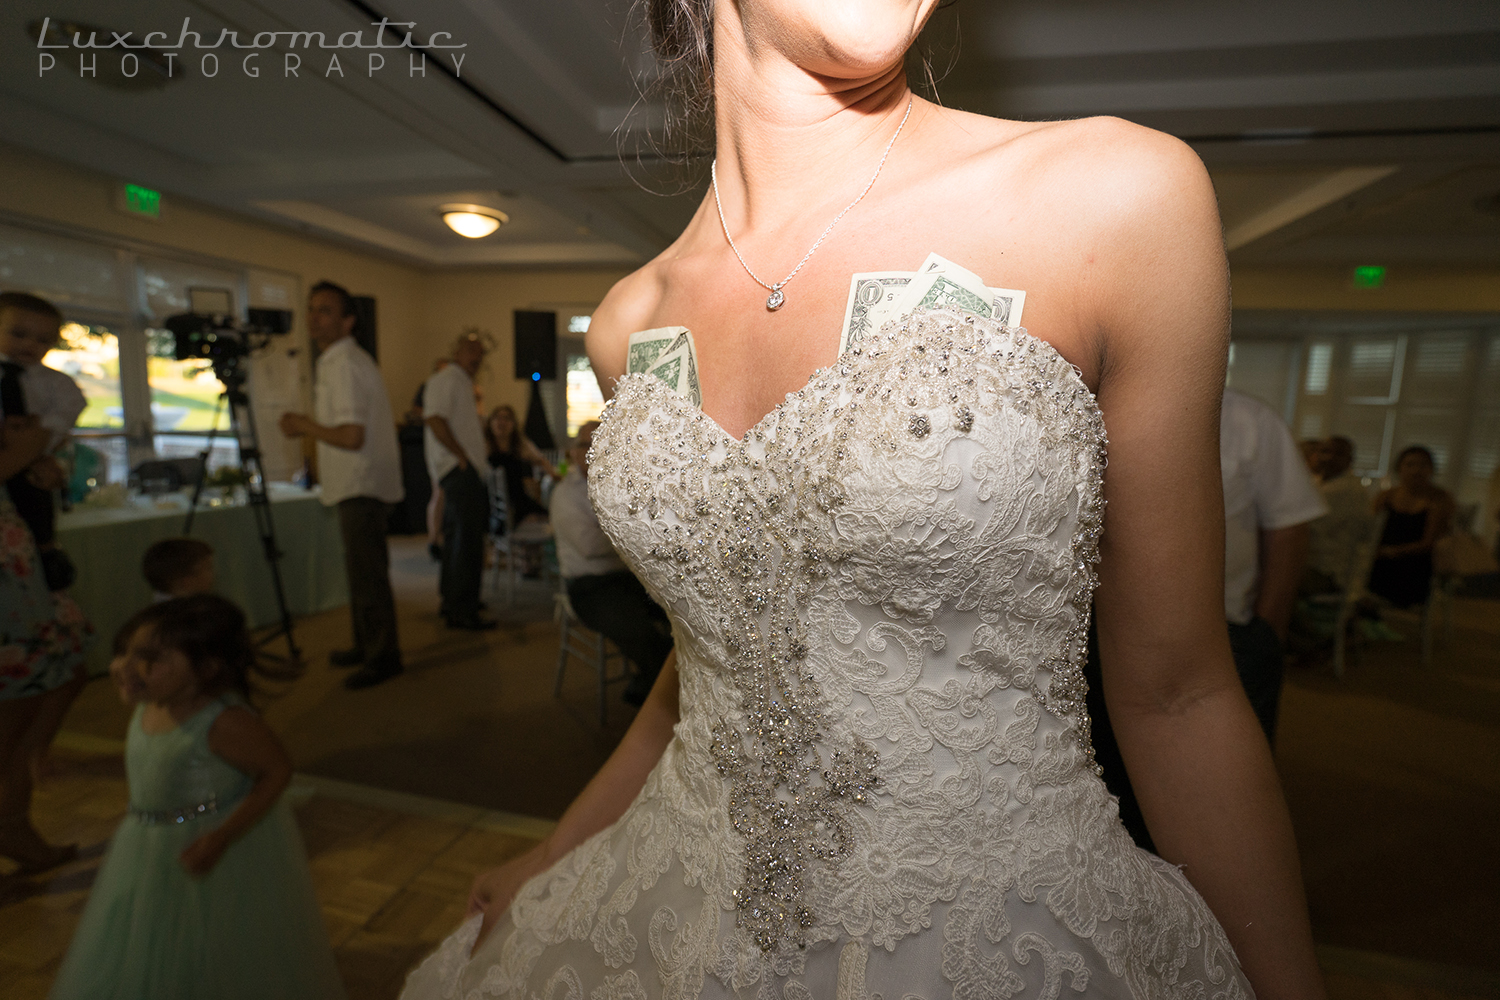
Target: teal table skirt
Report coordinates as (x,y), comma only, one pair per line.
(107,544)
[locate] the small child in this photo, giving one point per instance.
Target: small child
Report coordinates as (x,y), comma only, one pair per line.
(29,328)
(205,892)
(179,567)
(173,567)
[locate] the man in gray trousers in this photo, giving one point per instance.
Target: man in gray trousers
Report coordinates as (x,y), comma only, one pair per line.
(359,466)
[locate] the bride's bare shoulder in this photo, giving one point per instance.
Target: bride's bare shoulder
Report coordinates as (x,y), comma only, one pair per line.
(1102,169)
(627,309)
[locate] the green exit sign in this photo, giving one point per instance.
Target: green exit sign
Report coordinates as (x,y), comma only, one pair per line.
(142,201)
(1369,276)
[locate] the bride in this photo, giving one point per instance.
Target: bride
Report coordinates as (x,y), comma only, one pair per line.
(865,769)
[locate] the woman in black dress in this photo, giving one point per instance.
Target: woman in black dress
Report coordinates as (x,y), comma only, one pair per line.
(1417,514)
(513,452)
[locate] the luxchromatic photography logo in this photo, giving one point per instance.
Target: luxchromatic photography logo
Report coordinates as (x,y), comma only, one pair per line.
(155,57)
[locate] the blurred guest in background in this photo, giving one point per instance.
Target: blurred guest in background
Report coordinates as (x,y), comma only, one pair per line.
(359,466)
(42,641)
(178,567)
(29,328)
(1312,455)
(1269,501)
(1334,538)
(512,451)
(606,595)
(1417,514)
(455,444)
(414,415)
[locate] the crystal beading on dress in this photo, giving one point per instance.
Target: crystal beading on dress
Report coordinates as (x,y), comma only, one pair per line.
(881,772)
(760,534)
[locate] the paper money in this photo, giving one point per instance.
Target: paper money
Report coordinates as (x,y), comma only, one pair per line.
(677,366)
(1005,304)
(942,284)
(872,298)
(649,345)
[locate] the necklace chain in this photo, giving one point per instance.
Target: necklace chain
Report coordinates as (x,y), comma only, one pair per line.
(776,298)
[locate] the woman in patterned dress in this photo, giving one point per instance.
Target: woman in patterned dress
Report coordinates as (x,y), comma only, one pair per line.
(42,639)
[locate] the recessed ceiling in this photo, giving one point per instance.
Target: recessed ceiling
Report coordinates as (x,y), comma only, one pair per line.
(1335,130)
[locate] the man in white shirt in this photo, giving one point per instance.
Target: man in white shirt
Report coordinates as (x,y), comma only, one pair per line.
(607,596)
(454,441)
(359,466)
(1269,499)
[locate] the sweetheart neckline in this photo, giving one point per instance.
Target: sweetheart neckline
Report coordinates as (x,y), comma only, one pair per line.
(1019,332)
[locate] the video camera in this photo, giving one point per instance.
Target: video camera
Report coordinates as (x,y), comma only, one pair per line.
(210,332)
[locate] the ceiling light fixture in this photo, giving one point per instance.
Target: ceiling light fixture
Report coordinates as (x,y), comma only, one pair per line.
(473,221)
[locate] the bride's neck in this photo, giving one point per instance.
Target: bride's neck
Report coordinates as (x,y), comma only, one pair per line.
(787,140)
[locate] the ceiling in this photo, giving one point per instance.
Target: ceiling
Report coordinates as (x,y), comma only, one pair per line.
(1336,131)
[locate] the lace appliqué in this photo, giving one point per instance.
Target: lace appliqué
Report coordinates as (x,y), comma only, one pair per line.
(759,525)
(880,597)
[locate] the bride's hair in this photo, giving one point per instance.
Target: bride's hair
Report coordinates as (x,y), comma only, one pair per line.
(681,33)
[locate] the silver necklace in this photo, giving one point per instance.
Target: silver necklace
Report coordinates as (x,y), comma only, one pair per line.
(776,299)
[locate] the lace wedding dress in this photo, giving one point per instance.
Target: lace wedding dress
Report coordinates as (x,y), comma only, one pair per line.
(881,785)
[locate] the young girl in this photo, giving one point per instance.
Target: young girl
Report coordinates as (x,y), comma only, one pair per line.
(205,891)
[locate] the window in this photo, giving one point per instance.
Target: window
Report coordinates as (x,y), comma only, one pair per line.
(185,404)
(141,401)
(90,355)
(1385,383)
(585,401)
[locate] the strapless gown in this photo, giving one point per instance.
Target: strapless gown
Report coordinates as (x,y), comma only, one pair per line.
(881,784)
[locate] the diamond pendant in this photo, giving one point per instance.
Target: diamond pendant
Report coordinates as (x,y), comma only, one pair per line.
(775,299)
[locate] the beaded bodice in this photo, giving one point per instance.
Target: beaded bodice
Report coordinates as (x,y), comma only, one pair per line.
(881,781)
(880,596)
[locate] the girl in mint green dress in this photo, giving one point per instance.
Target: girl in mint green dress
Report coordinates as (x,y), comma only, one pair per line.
(205,892)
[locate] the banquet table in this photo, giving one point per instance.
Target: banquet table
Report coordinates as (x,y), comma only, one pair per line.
(106,544)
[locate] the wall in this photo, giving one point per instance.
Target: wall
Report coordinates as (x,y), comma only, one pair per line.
(420,311)
(454,300)
(45,189)
(1407,289)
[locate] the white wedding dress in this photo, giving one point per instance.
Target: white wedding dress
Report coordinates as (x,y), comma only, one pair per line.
(881,785)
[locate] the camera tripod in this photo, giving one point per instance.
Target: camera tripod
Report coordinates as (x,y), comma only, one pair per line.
(241,422)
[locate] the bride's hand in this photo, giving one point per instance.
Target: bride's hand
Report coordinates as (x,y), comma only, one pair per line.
(493,890)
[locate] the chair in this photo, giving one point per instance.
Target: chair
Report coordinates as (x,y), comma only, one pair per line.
(1439,602)
(507,538)
(1347,601)
(577,639)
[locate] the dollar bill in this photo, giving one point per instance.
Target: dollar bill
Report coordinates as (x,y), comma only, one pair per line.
(678,368)
(877,297)
(872,300)
(1006,304)
(649,345)
(943,292)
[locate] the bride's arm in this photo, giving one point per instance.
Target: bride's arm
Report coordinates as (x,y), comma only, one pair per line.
(624,310)
(1199,763)
(601,802)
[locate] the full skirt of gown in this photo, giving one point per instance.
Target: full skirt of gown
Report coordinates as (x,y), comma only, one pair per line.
(881,783)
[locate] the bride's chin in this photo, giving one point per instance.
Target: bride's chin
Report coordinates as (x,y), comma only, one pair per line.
(851,40)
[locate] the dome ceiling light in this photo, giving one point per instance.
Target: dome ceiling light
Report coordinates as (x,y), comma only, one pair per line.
(473,221)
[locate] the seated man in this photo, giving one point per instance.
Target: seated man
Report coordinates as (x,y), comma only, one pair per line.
(1334,537)
(606,595)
